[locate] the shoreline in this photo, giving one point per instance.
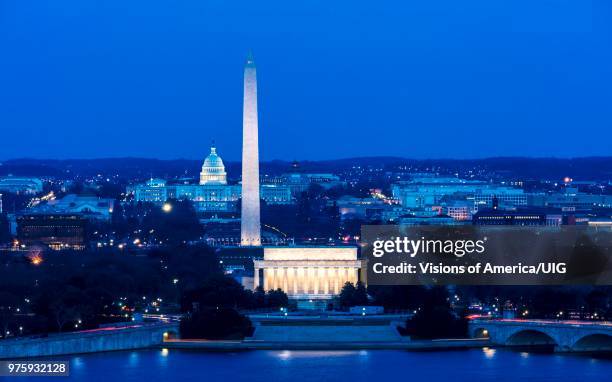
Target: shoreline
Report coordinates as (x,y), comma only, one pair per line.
(442,344)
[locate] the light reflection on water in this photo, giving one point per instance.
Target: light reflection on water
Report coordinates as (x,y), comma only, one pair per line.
(489,352)
(293,354)
(77,363)
(134,359)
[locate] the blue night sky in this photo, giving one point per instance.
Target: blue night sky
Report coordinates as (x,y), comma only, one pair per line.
(418,79)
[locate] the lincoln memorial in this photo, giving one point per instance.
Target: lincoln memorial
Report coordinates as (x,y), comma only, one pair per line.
(307,272)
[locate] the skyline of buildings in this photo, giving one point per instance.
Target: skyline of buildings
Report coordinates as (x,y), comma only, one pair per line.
(316,272)
(454,204)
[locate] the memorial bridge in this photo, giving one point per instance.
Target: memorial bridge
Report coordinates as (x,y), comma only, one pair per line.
(564,336)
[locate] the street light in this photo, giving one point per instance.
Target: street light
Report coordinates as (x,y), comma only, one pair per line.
(167,207)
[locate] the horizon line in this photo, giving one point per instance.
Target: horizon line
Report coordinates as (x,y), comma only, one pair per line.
(389,157)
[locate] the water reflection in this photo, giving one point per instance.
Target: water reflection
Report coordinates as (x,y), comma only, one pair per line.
(294,354)
(489,352)
(163,360)
(77,364)
(284,355)
(134,359)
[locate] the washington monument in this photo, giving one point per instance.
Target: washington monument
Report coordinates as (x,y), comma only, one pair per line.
(250,226)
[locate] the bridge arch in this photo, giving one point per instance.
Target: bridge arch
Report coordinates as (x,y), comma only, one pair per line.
(170,334)
(531,337)
(481,332)
(593,342)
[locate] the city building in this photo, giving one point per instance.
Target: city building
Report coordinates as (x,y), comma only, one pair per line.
(507,197)
(300,182)
(351,207)
(89,207)
(21,185)
(275,194)
(459,210)
(392,213)
(571,199)
(153,191)
(422,192)
(518,217)
(412,220)
(307,273)
(57,231)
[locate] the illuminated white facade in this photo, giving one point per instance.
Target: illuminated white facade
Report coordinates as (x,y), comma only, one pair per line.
(250,226)
(423,192)
(307,272)
(21,185)
(212,194)
(213,169)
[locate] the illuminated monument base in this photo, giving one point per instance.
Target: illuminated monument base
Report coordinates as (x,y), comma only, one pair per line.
(307,272)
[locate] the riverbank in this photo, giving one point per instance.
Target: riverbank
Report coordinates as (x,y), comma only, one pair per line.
(127,337)
(271,332)
(443,344)
(275,332)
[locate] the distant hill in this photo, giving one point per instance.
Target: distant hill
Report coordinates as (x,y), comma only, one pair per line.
(587,168)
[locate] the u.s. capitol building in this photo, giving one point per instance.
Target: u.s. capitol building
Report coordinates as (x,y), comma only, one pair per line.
(212,194)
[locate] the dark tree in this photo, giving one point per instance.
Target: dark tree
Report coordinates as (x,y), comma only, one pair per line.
(110,190)
(177,225)
(216,324)
(351,227)
(353,295)
(216,291)
(398,297)
(190,264)
(63,305)
(8,304)
(276,299)
(118,220)
(12,203)
(436,319)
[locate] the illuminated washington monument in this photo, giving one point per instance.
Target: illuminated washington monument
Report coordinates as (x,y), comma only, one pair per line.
(250,226)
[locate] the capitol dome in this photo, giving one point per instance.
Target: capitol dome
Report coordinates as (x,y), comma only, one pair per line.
(213,169)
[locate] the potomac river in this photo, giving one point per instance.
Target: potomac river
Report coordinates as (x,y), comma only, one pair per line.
(297,366)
